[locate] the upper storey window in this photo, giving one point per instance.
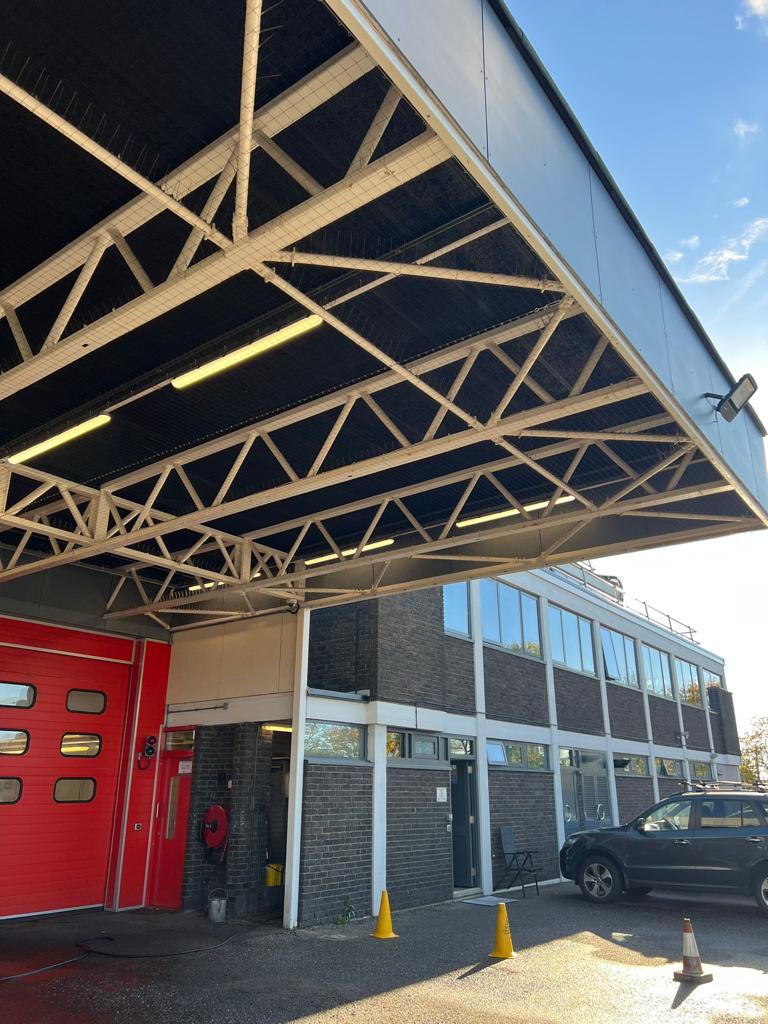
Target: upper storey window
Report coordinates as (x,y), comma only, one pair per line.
(456,608)
(571,640)
(510,618)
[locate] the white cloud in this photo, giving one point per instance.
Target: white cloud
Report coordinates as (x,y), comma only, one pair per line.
(745,128)
(757,7)
(691,243)
(741,202)
(741,23)
(715,265)
(673,256)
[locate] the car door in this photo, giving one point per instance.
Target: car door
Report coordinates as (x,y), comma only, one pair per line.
(730,838)
(663,852)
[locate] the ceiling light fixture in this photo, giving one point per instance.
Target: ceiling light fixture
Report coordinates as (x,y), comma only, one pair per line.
(59,439)
(507,512)
(239,355)
(349,552)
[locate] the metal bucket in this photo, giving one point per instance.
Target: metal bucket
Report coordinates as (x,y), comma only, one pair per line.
(217,906)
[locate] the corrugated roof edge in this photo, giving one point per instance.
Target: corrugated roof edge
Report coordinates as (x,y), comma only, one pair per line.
(533,61)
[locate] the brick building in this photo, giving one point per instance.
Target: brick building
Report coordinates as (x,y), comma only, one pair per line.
(434,718)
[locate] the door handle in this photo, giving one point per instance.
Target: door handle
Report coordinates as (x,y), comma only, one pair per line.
(682,842)
(754,839)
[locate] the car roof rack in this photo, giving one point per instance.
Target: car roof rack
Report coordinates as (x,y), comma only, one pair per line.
(724,786)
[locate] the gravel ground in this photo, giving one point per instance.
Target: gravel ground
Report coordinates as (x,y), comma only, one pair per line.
(575,963)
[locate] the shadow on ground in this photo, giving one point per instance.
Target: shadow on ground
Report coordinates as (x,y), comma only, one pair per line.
(576,962)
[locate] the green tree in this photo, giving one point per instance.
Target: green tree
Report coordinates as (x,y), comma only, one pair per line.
(754,753)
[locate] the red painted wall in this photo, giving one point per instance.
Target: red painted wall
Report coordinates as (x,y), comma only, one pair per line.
(58,638)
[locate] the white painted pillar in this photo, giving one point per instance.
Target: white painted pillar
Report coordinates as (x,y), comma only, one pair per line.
(600,665)
(554,742)
(648,724)
(481,754)
(377,750)
(296,781)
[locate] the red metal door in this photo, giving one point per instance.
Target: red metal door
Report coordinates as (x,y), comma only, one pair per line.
(171,815)
(61,732)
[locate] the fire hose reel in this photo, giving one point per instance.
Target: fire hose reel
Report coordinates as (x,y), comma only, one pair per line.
(215,827)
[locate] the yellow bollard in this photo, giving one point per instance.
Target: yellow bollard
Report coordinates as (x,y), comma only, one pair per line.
(384,923)
(503,949)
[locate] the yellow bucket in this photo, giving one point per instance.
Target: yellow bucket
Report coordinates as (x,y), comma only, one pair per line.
(274,874)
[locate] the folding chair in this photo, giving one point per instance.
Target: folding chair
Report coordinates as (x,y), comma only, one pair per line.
(519,863)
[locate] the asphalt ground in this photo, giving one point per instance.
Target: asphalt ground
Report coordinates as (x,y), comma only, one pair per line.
(575,963)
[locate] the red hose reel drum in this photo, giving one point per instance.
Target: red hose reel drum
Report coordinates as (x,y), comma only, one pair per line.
(215,827)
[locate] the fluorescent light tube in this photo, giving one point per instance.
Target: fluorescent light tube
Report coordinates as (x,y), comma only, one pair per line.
(349,552)
(507,512)
(58,439)
(247,351)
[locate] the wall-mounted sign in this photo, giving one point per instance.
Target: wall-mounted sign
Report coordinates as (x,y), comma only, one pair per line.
(185,767)
(441,794)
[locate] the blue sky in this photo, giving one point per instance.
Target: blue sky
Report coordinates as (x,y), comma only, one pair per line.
(674,96)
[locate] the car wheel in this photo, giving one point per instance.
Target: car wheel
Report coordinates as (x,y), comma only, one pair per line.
(760,889)
(636,891)
(600,880)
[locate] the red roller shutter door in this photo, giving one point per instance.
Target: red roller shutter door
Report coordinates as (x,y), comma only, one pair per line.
(54,855)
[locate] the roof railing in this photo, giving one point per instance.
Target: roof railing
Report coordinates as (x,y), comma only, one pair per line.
(610,588)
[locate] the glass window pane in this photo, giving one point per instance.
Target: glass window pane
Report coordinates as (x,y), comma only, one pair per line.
(571,640)
(511,619)
(587,654)
(489,607)
(74,791)
(17,695)
(556,634)
(666,675)
(531,638)
(514,753)
(496,753)
(456,608)
(80,744)
(537,756)
(87,702)
(610,661)
(631,661)
(395,744)
(333,739)
(721,813)
(180,739)
(10,791)
(700,770)
(668,767)
(460,748)
(670,817)
(749,818)
(425,747)
(13,741)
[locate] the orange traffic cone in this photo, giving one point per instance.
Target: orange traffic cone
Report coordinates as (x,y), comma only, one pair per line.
(691,971)
(503,949)
(383,928)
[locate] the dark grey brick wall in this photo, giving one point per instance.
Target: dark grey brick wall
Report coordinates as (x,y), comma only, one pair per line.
(417,662)
(670,787)
(724,729)
(695,724)
(241,753)
(336,842)
(249,817)
(578,701)
(419,846)
(627,714)
(515,688)
(664,721)
(211,767)
(635,796)
(343,647)
(526,801)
